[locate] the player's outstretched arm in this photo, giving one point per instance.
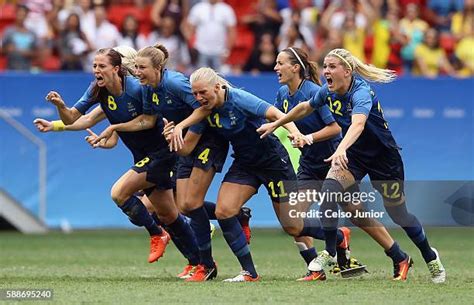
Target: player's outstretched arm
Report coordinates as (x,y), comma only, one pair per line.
(328,132)
(197,116)
(190,140)
(141,122)
(339,157)
(104,143)
(83,122)
(67,115)
(300,111)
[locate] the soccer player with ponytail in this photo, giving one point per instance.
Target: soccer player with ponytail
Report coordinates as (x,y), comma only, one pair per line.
(367,148)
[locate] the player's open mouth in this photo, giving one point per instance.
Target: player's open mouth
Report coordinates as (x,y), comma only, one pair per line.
(329,81)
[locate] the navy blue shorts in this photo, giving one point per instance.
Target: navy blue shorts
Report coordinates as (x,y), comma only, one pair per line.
(385,171)
(158,167)
(278,182)
(210,152)
(311,178)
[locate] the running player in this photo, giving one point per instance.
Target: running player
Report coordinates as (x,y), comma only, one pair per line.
(235,114)
(168,94)
(120,99)
(368,147)
(300,80)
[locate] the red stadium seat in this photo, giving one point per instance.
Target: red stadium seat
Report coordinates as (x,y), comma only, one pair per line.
(7,15)
(51,63)
(3,63)
(243,46)
(117,13)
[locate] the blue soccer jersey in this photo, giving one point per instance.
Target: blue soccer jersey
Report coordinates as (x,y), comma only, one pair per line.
(237,121)
(359,99)
(312,156)
(124,108)
(172,98)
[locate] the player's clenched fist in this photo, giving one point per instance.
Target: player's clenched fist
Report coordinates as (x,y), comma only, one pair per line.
(55,98)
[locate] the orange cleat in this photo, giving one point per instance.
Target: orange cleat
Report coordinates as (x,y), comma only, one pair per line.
(347,238)
(203,274)
(313,276)
(187,272)
(400,270)
(158,245)
(244,219)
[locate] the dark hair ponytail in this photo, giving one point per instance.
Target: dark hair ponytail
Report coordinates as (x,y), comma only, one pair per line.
(308,69)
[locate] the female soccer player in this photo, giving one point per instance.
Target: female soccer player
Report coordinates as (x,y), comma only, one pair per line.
(368,147)
(168,94)
(120,98)
(236,114)
(300,80)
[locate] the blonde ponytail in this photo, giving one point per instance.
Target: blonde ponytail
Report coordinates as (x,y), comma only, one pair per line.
(368,72)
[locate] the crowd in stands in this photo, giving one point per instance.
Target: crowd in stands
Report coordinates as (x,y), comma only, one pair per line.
(418,37)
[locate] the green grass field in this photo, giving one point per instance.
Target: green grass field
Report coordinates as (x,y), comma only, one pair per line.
(105,267)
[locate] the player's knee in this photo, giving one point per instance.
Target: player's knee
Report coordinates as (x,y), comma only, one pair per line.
(118,196)
(189,205)
(224,213)
(292,230)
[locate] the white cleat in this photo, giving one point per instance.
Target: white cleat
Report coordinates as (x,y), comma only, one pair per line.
(436,268)
(323,261)
(244,276)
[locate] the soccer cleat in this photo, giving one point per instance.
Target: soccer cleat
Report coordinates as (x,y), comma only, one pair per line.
(400,270)
(187,272)
(244,219)
(158,245)
(313,276)
(244,276)
(436,268)
(203,274)
(213,229)
(346,232)
(323,261)
(351,269)
(343,250)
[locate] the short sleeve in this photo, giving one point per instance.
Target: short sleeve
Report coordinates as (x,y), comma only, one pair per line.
(86,101)
(251,103)
(147,101)
(318,100)
(361,102)
(181,88)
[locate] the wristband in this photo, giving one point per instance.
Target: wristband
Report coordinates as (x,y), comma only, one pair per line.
(58,125)
(309,138)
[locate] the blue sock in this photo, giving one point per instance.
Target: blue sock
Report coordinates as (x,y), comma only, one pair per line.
(139,216)
(235,238)
(330,241)
(202,230)
(395,253)
(413,229)
(181,230)
(312,227)
(339,237)
(193,258)
(210,210)
(309,254)
(332,190)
